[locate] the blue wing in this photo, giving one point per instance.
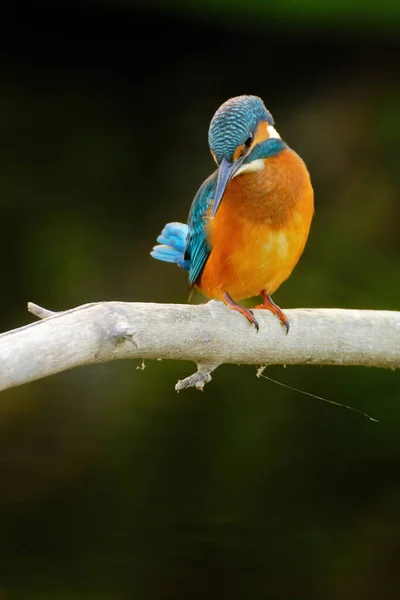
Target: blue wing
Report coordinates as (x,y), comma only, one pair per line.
(187,245)
(197,247)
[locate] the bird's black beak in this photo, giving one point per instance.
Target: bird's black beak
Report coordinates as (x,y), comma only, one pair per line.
(225,173)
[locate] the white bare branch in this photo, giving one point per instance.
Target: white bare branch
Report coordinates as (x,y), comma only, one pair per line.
(207,334)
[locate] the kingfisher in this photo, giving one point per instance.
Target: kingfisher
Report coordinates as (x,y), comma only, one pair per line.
(250,220)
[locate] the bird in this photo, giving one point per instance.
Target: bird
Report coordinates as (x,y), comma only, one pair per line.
(250,219)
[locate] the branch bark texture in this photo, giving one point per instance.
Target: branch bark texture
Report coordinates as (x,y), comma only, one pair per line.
(207,334)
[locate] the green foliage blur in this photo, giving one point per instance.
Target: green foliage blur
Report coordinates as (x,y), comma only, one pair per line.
(114,487)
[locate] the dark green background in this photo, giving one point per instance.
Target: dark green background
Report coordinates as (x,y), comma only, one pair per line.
(112,485)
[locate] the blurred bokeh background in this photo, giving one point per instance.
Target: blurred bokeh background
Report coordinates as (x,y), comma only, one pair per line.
(112,485)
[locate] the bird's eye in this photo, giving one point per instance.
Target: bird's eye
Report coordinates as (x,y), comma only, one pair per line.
(248,141)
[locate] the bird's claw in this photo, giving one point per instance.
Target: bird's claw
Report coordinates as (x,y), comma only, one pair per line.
(241,309)
(253,320)
(270,305)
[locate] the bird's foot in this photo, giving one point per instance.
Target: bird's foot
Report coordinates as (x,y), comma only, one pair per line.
(269,304)
(244,311)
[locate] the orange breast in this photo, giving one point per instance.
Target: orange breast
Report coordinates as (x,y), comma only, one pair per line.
(260,229)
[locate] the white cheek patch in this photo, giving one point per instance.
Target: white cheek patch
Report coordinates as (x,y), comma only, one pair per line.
(255,165)
(273,132)
(258,164)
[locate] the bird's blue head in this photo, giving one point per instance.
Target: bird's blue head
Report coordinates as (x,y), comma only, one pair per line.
(234,126)
(234,129)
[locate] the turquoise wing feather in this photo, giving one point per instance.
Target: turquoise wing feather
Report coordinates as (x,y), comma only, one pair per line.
(197,246)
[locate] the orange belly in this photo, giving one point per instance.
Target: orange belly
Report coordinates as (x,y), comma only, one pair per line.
(260,229)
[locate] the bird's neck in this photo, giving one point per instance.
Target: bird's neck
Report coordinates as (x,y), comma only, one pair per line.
(269,195)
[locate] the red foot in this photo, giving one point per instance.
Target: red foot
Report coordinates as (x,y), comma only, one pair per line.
(269,304)
(244,311)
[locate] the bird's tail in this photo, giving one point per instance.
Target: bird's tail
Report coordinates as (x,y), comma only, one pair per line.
(172,246)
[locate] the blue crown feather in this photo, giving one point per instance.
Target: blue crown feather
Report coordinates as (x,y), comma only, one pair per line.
(233,122)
